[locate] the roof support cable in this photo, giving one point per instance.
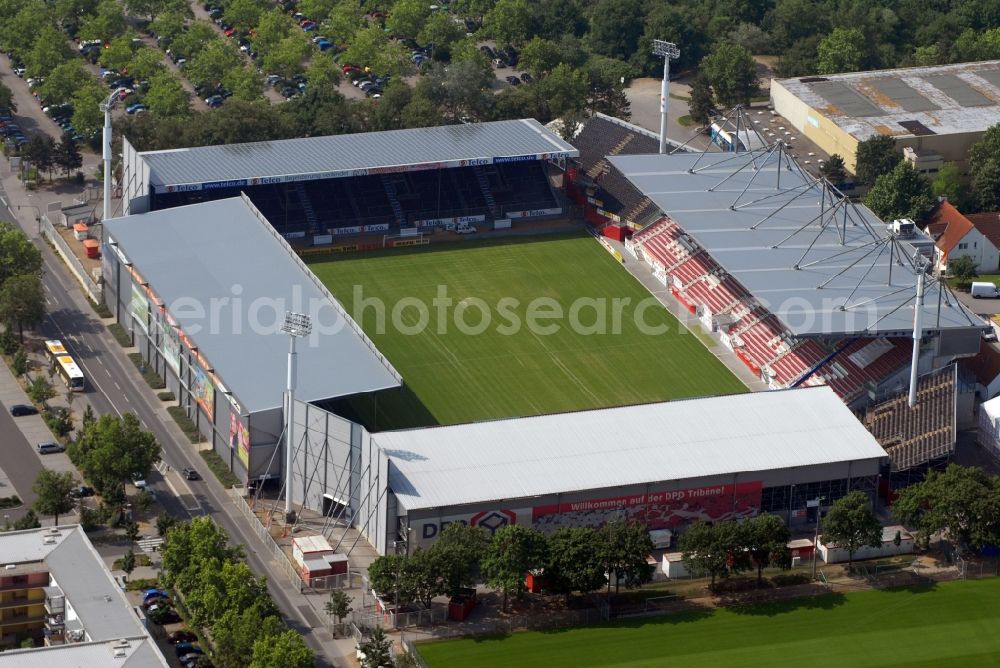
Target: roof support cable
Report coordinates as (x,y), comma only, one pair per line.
(757,172)
(772,195)
(872,248)
(809,223)
(779,209)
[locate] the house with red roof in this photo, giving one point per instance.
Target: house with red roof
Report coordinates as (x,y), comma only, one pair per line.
(956,235)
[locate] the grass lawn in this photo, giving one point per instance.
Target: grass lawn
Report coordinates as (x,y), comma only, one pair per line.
(952,624)
(453,376)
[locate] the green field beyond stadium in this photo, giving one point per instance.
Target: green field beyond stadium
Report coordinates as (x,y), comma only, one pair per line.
(507,370)
(952,624)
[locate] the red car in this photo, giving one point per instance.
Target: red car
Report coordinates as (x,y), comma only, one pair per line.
(351,68)
(182,636)
(230,32)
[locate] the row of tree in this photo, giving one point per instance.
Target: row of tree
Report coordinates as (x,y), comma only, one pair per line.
(572,559)
(22,300)
(43,152)
(223,596)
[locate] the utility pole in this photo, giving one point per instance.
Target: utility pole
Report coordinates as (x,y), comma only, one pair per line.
(667,50)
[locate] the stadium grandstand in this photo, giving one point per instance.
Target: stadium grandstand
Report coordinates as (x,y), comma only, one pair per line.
(805,287)
(404,181)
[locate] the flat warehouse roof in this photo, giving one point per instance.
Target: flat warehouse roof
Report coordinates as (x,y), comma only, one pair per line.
(223,255)
(823,266)
(338,156)
(613,447)
(945,99)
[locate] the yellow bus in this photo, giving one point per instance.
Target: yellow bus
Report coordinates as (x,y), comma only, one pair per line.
(68,369)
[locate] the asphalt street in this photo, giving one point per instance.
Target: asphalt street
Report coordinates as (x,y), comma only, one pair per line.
(116,387)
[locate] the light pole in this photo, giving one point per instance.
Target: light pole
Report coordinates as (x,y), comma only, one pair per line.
(296,325)
(106,108)
(815,503)
(667,50)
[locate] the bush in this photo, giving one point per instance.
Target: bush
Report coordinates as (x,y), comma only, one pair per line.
(8,342)
(10,501)
(40,390)
(163,523)
(166,396)
(102,311)
(121,336)
(139,584)
(148,373)
(143,500)
(219,468)
(59,421)
(186,424)
(141,559)
(89,518)
(20,362)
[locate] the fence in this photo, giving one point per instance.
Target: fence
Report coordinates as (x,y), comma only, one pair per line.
(348,580)
(71,260)
(401,620)
(265,538)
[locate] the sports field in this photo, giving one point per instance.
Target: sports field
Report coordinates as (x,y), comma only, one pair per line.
(952,624)
(455,373)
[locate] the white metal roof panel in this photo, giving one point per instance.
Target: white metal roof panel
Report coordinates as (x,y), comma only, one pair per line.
(197,255)
(771,229)
(550,454)
(256,163)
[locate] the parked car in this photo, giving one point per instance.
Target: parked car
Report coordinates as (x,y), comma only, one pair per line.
(184,648)
(135,108)
(513,81)
(526,78)
(48,448)
(139,481)
(148,594)
(499,64)
(19,410)
(153,602)
(181,636)
(163,615)
(324,45)
(214,101)
(81,492)
(190,474)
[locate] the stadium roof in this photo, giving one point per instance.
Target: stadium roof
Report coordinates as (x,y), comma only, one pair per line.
(944,99)
(631,445)
(336,156)
(199,256)
(822,265)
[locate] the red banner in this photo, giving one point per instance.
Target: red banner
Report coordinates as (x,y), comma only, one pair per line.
(658,510)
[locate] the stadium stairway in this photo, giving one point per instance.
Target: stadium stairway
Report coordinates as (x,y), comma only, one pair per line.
(390,191)
(484,186)
(307,207)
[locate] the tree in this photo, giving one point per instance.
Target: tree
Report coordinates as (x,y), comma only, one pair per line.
(105,24)
(155,8)
(237,630)
(513,551)
(564,90)
(48,52)
(190,544)
(377,650)
(461,548)
(407,18)
(949,183)
(163,522)
(28,521)
(118,54)
(615,27)
(40,390)
(215,587)
(132,532)
(833,170)
(167,97)
(113,450)
(509,22)
(63,82)
(540,56)
(38,151)
(210,65)
(962,503)
(575,562)
(323,74)
(195,39)
(701,107)
(87,115)
(902,193)
(128,563)
(441,30)
(287,650)
(703,553)
(843,50)
(851,525)
(732,73)
(18,256)
(274,26)
(984,170)
(7,101)
(286,56)
(875,156)
(243,13)
(963,268)
(339,605)
(53,493)
(624,548)
(66,155)
(20,362)
(765,538)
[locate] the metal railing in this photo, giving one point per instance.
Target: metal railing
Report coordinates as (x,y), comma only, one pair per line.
(266,540)
(71,260)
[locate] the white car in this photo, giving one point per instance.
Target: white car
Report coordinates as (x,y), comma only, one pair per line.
(465,230)
(139,482)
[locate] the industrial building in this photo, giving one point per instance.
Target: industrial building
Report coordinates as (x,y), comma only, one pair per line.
(202,290)
(665,464)
(935,112)
(55,589)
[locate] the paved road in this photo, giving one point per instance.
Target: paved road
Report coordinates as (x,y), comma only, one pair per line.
(117,387)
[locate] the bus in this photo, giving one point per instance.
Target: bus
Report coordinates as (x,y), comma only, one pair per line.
(68,369)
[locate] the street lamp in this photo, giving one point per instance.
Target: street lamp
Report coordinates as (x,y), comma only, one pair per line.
(666,50)
(106,108)
(296,325)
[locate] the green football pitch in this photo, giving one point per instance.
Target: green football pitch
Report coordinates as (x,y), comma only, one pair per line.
(952,624)
(455,373)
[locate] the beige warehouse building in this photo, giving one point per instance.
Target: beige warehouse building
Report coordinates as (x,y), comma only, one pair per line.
(937,112)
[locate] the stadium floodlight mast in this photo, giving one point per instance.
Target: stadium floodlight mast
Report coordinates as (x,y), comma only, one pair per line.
(106,108)
(296,325)
(667,50)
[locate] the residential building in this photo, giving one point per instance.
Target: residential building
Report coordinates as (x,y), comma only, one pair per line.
(955,235)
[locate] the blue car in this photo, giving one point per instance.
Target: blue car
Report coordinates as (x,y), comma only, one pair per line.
(150,594)
(135,108)
(324,44)
(214,101)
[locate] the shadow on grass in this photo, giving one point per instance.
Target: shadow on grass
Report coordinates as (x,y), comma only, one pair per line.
(775,608)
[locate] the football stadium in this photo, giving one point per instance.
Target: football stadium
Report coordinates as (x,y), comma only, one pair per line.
(474,354)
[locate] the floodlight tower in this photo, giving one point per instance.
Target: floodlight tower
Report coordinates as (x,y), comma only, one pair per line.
(918,315)
(296,325)
(667,50)
(106,108)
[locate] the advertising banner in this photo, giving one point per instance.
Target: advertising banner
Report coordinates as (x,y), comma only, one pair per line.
(107,270)
(239,439)
(427,531)
(140,307)
(171,346)
(202,390)
(658,510)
